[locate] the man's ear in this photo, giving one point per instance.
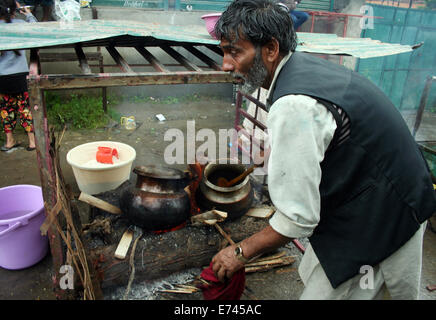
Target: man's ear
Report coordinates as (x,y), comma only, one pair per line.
(271,50)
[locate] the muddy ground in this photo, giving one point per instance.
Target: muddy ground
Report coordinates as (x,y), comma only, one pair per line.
(20,167)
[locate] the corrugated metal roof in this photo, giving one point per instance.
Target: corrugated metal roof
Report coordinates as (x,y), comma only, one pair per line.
(357,47)
(129,33)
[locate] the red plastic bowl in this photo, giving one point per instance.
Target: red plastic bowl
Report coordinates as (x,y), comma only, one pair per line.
(211,19)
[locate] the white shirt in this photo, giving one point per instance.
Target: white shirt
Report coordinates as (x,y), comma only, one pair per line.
(300,131)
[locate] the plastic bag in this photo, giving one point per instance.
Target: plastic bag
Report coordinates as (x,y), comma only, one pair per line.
(85,3)
(67,10)
(128,122)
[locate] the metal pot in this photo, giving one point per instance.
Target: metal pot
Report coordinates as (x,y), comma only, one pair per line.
(158,201)
(235,200)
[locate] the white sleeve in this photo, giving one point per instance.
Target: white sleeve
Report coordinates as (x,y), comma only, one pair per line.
(30,18)
(301,130)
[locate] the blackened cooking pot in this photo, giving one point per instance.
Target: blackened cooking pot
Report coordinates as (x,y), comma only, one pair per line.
(158,201)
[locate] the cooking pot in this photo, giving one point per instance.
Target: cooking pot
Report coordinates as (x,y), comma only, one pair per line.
(235,200)
(158,201)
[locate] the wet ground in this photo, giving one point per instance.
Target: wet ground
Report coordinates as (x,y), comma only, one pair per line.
(20,167)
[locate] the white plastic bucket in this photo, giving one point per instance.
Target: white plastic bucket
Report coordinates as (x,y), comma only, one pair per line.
(93,180)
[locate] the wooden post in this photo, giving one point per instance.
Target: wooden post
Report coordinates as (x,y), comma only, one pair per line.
(100,61)
(422,104)
(45,164)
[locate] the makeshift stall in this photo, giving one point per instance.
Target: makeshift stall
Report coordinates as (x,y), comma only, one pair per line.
(197,56)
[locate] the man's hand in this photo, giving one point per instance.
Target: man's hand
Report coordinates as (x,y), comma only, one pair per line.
(225,263)
(24,10)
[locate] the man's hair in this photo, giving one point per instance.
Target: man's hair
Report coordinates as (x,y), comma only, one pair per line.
(257,21)
(7,9)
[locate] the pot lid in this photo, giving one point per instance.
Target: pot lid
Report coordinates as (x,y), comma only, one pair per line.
(160,172)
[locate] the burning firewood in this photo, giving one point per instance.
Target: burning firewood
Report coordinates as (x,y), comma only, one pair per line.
(161,255)
(209,217)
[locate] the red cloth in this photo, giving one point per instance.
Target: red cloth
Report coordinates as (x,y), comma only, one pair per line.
(231,290)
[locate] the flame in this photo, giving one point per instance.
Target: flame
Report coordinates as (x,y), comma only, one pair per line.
(180,226)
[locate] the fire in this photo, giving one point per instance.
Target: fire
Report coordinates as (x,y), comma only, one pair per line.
(180,226)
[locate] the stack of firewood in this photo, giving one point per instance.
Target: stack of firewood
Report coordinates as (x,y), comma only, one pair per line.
(261,264)
(267,263)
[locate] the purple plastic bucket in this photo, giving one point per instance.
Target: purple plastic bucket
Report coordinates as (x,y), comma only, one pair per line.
(21,216)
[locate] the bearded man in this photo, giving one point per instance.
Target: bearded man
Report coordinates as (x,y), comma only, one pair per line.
(344,170)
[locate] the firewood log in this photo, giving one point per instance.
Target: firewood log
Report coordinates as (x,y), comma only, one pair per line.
(159,255)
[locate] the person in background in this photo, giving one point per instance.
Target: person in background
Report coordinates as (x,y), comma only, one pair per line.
(298,17)
(47,7)
(14,98)
(344,170)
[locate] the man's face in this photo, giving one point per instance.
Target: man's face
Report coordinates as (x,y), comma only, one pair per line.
(245,63)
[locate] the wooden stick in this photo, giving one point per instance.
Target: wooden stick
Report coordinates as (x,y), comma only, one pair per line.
(50,217)
(96,202)
(222,214)
(224,234)
(124,244)
(184,286)
(260,212)
(265,262)
(274,256)
(286,261)
(177,291)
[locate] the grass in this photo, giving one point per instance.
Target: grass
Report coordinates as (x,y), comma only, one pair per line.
(78,111)
(81,111)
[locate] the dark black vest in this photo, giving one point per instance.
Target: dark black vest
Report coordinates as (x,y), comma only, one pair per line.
(375,188)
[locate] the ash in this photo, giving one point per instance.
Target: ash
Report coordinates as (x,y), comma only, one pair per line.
(150,290)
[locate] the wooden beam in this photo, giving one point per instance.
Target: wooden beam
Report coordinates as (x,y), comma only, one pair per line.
(119,60)
(215,49)
(254,140)
(200,55)
(255,101)
(82,59)
(151,59)
(66,56)
(34,65)
(68,81)
(250,117)
(422,104)
(180,59)
(46,172)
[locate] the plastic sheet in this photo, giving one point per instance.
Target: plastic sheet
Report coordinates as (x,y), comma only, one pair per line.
(67,10)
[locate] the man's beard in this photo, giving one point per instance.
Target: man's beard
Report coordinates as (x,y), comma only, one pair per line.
(255,77)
